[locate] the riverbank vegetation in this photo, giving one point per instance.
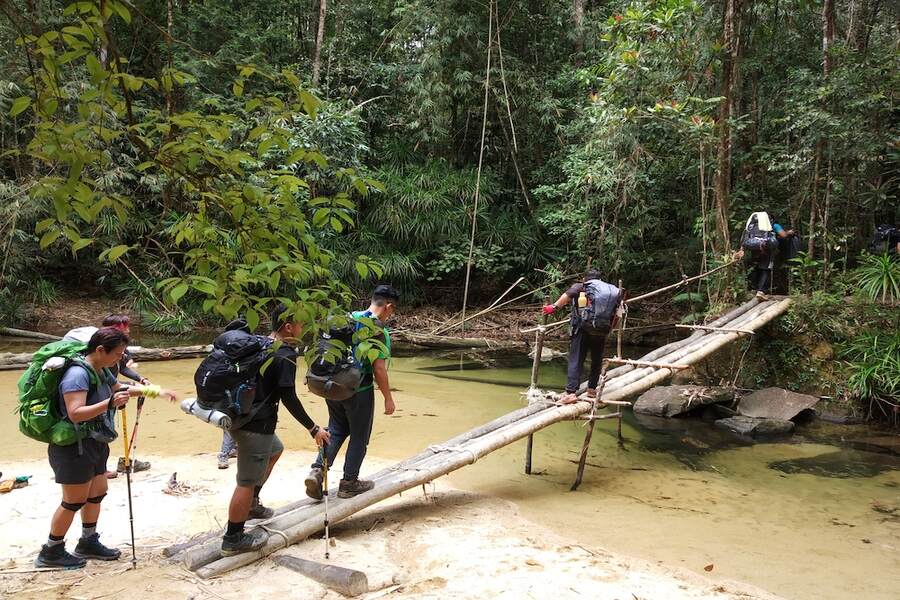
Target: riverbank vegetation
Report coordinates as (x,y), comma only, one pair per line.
(199,159)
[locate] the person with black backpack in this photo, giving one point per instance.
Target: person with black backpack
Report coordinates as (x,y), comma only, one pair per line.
(258,447)
(594,306)
(353,415)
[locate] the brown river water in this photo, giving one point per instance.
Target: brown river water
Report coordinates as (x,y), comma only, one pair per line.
(809,518)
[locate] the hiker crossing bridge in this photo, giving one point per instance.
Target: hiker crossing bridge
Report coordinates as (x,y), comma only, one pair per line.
(297,521)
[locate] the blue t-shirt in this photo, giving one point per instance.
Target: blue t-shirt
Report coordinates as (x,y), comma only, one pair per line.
(76,379)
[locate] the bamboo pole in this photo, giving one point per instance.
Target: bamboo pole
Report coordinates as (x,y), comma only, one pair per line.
(22,333)
(590,428)
(535,368)
(684,281)
(707,328)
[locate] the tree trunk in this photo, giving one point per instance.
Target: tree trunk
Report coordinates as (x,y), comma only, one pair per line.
(320,37)
(723,170)
(170,29)
(827,36)
(578,20)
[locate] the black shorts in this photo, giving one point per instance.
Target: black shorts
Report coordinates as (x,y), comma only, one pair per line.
(71,468)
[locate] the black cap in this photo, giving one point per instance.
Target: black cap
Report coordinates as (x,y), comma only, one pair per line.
(386,291)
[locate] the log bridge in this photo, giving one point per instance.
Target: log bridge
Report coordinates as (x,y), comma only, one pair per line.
(297,521)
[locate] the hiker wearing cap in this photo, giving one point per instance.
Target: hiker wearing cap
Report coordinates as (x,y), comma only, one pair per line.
(594,303)
(353,418)
(258,447)
(88,395)
(760,246)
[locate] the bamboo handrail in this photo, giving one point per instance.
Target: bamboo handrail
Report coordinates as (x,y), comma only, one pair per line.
(708,328)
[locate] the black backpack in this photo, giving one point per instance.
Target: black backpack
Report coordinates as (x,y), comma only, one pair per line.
(226,380)
(334,373)
(757,242)
(602,300)
(884,240)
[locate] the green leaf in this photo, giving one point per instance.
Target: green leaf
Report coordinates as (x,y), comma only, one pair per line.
(81,243)
(49,237)
(116,252)
(19,104)
(238,88)
(178,291)
(310,103)
(252,319)
(362,269)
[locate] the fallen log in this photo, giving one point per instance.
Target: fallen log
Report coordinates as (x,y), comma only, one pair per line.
(348,582)
(23,333)
(13,361)
(427,340)
(449,457)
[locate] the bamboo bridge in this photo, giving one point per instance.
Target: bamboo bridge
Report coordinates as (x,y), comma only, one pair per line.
(297,521)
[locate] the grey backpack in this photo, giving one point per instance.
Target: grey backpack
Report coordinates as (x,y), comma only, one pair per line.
(602,300)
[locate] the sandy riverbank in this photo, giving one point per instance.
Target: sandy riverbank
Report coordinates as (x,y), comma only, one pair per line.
(438,543)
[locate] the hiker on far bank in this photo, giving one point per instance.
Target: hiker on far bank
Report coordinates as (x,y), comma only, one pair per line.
(760,244)
(124,367)
(78,449)
(594,306)
(353,417)
(258,447)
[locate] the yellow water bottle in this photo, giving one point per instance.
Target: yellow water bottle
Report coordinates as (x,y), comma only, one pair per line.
(582,300)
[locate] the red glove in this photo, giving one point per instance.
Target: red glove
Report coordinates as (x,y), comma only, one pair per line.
(548,310)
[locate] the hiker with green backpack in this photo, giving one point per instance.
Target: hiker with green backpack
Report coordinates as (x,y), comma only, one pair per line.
(67,399)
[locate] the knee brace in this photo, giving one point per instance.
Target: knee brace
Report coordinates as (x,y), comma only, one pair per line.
(97,499)
(73,506)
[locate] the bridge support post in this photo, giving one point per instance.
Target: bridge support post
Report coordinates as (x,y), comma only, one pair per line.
(535,367)
(590,427)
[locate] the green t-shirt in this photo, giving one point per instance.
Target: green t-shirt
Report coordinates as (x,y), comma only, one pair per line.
(383,353)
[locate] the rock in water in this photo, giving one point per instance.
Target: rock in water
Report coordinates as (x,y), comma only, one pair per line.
(754,427)
(775,403)
(672,400)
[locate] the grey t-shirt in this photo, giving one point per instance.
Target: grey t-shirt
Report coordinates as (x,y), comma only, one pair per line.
(76,379)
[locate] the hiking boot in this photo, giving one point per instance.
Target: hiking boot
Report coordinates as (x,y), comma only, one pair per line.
(591,393)
(223,461)
(111,474)
(354,487)
(245,541)
(314,484)
(136,465)
(56,556)
(258,511)
(90,547)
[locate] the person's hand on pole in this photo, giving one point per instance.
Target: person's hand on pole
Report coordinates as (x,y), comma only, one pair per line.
(321,436)
(548,309)
(120,398)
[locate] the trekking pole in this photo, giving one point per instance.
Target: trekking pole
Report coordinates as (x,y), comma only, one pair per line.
(137,420)
(128,483)
(325,493)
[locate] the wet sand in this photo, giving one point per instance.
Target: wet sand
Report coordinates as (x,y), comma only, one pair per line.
(796,535)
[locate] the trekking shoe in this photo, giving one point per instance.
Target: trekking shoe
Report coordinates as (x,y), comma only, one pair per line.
(111,474)
(591,393)
(258,511)
(314,484)
(136,465)
(233,453)
(245,541)
(56,556)
(761,296)
(569,398)
(223,461)
(90,547)
(354,487)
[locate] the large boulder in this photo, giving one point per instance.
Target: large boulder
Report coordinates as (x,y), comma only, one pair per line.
(776,403)
(756,427)
(672,400)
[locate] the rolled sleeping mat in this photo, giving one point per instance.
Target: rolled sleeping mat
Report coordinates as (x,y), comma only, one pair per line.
(215,417)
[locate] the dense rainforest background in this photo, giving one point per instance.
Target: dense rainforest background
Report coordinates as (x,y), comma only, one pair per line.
(196,158)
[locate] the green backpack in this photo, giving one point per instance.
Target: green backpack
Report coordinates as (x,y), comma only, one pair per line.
(39,415)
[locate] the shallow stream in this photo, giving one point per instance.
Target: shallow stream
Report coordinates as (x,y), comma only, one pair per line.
(813,517)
